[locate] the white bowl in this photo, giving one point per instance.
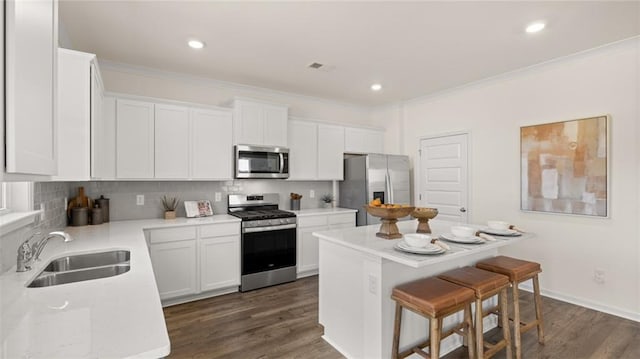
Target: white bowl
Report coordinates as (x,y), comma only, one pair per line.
(463,231)
(500,225)
(417,239)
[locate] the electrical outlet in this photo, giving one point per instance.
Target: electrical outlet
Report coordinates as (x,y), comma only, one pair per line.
(218,196)
(312,194)
(66,203)
(42,212)
(140,200)
(599,275)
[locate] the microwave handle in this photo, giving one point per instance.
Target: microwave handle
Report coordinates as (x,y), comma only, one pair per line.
(281,162)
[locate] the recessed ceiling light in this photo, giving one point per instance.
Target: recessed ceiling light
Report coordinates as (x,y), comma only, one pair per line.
(535,27)
(196,44)
(376,87)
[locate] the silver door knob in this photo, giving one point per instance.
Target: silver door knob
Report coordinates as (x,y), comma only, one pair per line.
(462,209)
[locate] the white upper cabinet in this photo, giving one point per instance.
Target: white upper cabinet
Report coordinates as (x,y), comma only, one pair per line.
(104,140)
(211,144)
(315,151)
(79,109)
(259,123)
(134,139)
(330,152)
(303,150)
(31,42)
(361,140)
(171,142)
(166,141)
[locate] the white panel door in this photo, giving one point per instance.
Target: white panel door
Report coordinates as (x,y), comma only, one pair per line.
(174,266)
(330,152)
(134,139)
(219,262)
(443,182)
(31,71)
(171,141)
(275,125)
(211,144)
(303,147)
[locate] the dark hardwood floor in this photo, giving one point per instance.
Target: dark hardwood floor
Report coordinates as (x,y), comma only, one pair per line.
(281,322)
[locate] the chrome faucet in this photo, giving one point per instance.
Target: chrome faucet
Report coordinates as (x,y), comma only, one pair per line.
(29,253)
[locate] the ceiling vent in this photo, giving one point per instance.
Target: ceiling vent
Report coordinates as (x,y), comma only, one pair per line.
(315,65)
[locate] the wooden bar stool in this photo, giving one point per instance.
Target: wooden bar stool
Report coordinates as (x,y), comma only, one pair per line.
(433,299)
(485,284)
(519,271)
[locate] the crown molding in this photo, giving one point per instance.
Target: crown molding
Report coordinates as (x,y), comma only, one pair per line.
(220,84)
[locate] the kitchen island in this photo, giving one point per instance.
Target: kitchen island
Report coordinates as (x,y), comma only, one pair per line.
(357,274)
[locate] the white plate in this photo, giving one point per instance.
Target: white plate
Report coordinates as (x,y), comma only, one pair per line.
(501,232)
(469,240)
(429,249)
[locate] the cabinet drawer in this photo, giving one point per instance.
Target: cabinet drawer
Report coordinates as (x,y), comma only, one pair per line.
(172,234)
(220,230)
(342,218)
(311,221)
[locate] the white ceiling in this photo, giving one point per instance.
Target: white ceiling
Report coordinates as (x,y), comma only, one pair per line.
(412,48)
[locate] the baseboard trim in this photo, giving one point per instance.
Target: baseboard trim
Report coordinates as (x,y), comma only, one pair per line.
(618,312)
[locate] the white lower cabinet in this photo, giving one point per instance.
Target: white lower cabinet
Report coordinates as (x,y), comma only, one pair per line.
(190,260)
(219,258)
(174,265)
(308,244)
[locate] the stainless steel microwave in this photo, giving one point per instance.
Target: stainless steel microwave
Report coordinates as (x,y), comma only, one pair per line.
(262,162)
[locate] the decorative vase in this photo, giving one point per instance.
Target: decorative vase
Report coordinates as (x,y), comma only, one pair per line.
(327,204)
(170,215)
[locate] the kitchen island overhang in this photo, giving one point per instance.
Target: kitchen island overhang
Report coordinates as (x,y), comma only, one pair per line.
(357,273)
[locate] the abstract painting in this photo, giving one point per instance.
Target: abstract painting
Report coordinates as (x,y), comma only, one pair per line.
(564,167)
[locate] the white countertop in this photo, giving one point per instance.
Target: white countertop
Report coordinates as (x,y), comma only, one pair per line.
(317,211)
(115,317)
(364,239)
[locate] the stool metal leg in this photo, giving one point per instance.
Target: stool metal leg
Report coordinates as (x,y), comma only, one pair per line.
(396,332)
(504,310)
(538,304)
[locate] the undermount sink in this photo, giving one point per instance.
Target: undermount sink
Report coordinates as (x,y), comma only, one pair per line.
(90,260)
(82,267)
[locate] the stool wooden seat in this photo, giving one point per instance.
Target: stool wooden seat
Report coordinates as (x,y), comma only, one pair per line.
(518,271)
(485,284)
(433,299)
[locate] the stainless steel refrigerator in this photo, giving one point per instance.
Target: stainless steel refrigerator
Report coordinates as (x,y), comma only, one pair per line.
(374,176)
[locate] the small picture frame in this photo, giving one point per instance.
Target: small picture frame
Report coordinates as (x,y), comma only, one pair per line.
(201,208)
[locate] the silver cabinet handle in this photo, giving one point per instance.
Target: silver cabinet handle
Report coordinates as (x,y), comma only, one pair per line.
(462,209)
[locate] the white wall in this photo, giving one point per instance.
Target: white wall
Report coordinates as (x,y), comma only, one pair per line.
(597,82)
(160,84)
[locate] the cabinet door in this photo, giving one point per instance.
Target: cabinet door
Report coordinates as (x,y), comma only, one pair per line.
(97,125)
(171,141)
(275,125)
(174,266)
(211,144)
(360,140)
(308,249)
(74,110)
(303,150)
(105,149)
(134,139)
(219,262)
(31,71)
(249,123)
(330,152)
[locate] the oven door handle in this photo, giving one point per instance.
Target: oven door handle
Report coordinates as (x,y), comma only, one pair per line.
(269,228)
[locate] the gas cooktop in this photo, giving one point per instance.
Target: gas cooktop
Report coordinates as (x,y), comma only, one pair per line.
(251,215)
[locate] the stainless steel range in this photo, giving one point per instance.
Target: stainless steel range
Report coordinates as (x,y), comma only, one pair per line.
(268,242)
